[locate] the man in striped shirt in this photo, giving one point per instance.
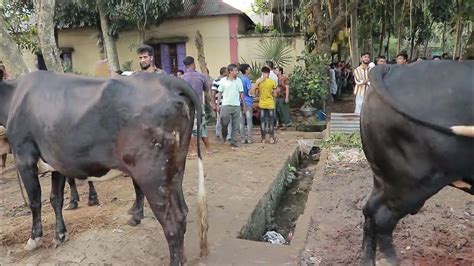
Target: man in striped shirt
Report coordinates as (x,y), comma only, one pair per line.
(361,78)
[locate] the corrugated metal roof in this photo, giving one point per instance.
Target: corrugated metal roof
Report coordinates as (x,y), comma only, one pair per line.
(344,123)
(201,8)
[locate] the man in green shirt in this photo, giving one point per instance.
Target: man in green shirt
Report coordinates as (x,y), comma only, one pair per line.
(231,91)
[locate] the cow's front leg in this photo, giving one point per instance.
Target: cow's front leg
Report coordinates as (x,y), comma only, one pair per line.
(57,198)
(28,170)
(93,199)
(137,209)
(73,202)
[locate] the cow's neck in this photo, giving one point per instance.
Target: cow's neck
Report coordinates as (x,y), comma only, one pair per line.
(6,95)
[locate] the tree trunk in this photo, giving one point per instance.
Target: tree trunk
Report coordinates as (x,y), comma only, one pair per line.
(354,38)
(44,10)
(325,28)
(387,47)
(412,44)
(109,41)
(201,58)
(382,29)
(9,52)
(400,24)
(443,41)
(457,40)
(425,49)
(469,50)
(141,35)
(100,41)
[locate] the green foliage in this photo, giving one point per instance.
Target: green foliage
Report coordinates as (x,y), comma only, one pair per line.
(291,176)
(261,7)
(309,81)
(276,50)
(18,14)
(343,140)
(142,14)
(77,13)
(127,66)
(123,14)
(255,69)
(261,29)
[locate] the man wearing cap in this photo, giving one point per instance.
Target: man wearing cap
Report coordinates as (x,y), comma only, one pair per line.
(200,84)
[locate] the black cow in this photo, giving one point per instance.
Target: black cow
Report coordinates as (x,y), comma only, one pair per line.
(74,199)
(418,136)
(81,126)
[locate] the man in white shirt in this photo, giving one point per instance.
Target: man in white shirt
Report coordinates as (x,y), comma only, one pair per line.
(231,90)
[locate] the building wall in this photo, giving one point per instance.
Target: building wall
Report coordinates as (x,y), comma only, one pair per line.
(248,49)
(214,30)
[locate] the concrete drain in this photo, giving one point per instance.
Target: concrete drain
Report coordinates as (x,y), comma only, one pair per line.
(274,218)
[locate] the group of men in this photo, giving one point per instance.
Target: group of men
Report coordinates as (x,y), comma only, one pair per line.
(361,74)
(232,98)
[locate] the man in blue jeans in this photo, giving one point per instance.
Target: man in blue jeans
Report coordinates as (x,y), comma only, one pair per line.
(247,105)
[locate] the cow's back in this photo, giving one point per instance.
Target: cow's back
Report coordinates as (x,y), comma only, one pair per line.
(77,122)
(406,117)
(437,92)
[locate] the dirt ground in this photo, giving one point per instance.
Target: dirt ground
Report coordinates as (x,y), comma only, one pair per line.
(236,179)
(441,234)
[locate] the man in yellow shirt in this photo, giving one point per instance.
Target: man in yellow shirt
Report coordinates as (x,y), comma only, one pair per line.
(265,88)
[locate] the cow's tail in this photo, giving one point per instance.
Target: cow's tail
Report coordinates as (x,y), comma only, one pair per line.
(376,79)
(201,195)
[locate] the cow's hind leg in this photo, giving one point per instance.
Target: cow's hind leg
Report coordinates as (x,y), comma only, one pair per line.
(73,201)
(387,207)
(369,243)
(137,209)
(57,198)
(93,199)
(167,203)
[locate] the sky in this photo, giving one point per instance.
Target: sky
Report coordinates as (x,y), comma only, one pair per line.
(246,7)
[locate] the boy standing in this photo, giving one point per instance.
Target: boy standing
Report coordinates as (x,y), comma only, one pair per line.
(265,87)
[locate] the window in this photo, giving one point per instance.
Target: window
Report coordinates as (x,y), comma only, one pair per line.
(170,56)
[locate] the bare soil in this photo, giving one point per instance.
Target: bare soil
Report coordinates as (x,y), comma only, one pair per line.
(236,179)
(440,234)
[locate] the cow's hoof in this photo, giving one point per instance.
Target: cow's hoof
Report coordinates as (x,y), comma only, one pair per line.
(33,243)
(134,221)
(133,212)
(60,239)
(93,202)
(72,206)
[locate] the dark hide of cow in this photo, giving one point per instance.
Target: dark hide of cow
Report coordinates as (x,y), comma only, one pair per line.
(405,128)
(74,201)
(82,126)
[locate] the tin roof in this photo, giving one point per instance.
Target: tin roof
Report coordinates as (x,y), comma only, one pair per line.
(201,8)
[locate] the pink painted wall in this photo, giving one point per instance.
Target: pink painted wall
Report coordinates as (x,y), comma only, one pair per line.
(233,42)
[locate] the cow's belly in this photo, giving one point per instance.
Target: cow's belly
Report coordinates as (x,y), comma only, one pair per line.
(44,168)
